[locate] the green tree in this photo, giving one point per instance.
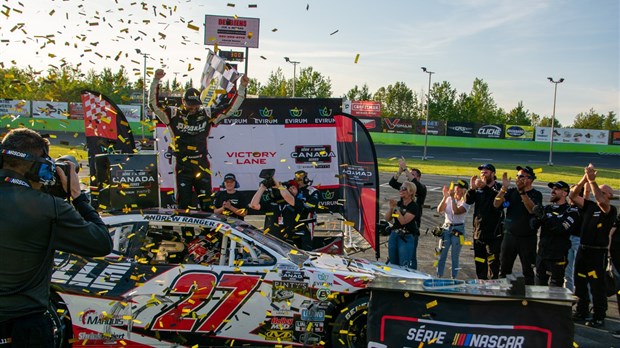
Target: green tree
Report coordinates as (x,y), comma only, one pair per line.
(311,84)
(276,85)
(396,101)
(518,115)
(253,87)
(610,122)
(443,103)
(546,122)
(589,120)
(479,106)
(356,93)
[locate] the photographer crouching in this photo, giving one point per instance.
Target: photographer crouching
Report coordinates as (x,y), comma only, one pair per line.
(404,235)
(33,225)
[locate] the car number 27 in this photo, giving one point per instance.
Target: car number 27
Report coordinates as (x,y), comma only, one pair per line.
(200,286)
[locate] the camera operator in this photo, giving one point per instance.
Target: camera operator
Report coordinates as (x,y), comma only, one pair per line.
(271,198)
(33,225)
(557,222)
(310,197)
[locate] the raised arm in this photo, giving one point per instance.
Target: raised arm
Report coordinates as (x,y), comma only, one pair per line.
(153,95)
(236,102)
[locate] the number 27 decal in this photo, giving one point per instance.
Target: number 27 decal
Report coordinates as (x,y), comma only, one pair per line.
(200,287)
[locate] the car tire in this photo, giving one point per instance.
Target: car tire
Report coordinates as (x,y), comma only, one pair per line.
(349,330)
(60,322)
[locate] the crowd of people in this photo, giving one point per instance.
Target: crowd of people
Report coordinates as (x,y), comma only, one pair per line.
(565,243)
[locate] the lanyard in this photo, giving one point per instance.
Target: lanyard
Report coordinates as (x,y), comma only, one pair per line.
(14,181)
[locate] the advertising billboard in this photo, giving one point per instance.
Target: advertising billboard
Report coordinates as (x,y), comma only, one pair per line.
(232,31)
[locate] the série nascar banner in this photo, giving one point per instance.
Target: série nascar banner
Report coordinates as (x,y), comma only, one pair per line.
(480,318)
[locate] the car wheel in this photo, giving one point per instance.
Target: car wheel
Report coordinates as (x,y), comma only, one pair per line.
(60,322)
(350,326)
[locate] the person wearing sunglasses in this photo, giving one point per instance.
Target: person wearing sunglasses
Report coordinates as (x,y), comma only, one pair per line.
(403,240)
(520,237)
(454,208)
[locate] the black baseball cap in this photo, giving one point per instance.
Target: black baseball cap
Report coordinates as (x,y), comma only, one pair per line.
(230,176)
(528,170)
(192,97)
(488,166)
(559,184)
(462,183)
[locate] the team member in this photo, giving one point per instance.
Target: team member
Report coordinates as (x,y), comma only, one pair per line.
(229,201)
(519,237)
(403,241)
(33,225)
(414,175)
(271,198)
(575,242)
(454,208)
(614,253)
(310,197)
(190,126)
(596,222)
(556,222)
(487,221)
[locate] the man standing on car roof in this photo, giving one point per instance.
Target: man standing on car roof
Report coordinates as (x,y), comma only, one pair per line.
(487,220)
(190,126)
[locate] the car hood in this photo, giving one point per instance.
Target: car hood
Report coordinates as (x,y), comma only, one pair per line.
(342,264)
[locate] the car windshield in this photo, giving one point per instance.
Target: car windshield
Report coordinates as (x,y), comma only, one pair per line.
(284,249)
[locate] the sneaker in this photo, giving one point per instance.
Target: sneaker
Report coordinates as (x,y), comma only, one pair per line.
(577,316)
(616,333)
(594,323)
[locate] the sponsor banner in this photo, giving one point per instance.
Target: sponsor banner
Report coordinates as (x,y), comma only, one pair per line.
(372,124)
(76,111)
(288,112)
(132,112)
(50,109)
(614,138)
(490,131)
(362,108)
(573,135)
(434,127)
(15,108)
(395,320)
(516,132)
(232,31)
(397,125)
(460,129)
(165,165)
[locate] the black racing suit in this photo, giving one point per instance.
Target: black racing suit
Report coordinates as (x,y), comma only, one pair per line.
(487,222)
(310,200)
(519,237)
(190,132)
(591,259)
(614,253)
(34,224)
(556,223)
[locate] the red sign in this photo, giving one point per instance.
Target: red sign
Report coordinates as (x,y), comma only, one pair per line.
(366,108)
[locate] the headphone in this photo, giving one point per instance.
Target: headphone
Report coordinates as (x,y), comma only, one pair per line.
(43,169)
(302,175)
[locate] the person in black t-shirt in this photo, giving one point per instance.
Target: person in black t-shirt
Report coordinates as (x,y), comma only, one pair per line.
(190,126)
(487,220)
(228,200)
(597,220)
(614,252)
(414,175)
(519,237)
(403,241)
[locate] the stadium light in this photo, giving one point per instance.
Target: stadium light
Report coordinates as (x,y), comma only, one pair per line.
(288,60)
(555,92)
(428,97)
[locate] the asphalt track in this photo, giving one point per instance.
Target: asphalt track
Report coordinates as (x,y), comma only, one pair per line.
(600,160)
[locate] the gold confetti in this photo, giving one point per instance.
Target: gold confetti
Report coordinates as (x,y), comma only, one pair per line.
(431,304)
(357,58)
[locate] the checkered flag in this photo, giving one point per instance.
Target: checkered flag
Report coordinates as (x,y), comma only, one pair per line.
(217,78)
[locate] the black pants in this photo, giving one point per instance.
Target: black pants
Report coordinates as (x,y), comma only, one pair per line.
(192,178)
(590,267)
(487,255)
(525,248)
(614,253)
(550,269)
(29,331)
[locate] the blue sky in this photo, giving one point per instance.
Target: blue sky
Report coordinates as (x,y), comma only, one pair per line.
(512,45)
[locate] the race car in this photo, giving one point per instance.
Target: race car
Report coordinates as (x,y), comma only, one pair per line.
(199,279)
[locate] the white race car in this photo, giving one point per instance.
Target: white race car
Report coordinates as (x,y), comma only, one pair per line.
(193,280)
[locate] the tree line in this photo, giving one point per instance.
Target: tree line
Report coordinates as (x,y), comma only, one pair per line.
(64,83)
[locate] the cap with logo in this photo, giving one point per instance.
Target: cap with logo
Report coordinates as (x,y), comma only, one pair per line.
(528,170)
(488,166)
(192,97)
(230,176)
(462,184)
(559,184)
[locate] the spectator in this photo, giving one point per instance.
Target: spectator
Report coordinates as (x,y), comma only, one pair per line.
(614,252)
(414,175)
(190,126)
(519,237)
(596,223)
(454,208)
(575,240)
(556,222)
(33,225)
(403,240)
(228,200)
(487,221)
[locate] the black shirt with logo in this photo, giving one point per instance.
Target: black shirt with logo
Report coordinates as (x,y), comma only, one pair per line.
(486,217)
(595,225)
(517,221)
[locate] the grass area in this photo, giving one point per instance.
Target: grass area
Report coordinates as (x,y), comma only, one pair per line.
(465,169)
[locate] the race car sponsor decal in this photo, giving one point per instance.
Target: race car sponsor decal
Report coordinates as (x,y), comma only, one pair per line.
(186,314)
(212,224)
(292,275)
(97,276)
(322,294)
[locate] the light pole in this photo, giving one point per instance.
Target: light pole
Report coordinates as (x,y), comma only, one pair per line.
(555,92)
(428,105)
(287,59)
(143,116)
